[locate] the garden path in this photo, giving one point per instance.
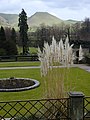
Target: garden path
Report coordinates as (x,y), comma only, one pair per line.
(8,68)
(82,66)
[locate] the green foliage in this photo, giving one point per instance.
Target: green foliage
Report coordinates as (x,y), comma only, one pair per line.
(85,29)
(2,41)
(2,52)
(11,48)
(45,34)
(13,35)
(7,45)
(2,37)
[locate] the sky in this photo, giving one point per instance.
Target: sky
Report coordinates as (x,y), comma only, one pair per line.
(63,9)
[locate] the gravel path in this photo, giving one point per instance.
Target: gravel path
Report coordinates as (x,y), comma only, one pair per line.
(10,68)
(82,66)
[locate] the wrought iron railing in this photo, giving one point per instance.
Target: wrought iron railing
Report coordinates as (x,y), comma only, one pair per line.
(45,109)
(87,108)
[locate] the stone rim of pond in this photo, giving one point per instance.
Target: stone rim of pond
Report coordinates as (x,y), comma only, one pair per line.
(36,84)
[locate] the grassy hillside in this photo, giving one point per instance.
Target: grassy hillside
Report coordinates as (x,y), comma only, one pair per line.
(3,22)
(11,18)
(33,21)
(71,21)
(43,17)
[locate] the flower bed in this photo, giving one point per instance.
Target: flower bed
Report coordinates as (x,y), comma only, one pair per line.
(17,84)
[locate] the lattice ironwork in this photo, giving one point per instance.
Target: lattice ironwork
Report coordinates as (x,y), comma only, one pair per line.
(46,109)
(87,108)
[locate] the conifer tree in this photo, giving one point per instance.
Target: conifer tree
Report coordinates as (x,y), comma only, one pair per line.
(23,30)
(2,41)
(2,37)
(13,35)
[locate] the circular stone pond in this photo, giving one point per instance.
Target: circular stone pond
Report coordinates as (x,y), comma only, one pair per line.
(17,84)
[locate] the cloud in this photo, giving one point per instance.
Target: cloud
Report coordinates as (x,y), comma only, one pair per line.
(77,4)
(9,6)
(64,9)
(69,9)
(15,6)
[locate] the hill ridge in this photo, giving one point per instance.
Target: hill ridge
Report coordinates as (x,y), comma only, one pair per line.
(36,19)
(43,17)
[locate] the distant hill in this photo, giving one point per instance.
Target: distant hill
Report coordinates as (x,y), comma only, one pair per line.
(43,17)
(35,20)
(72,21)
(3,22)
(12,19)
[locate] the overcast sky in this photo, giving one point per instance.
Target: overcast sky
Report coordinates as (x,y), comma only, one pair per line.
(64,9)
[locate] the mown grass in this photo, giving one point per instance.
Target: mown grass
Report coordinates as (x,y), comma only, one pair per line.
(32,50)
(79,77)
(21,73)
(79,80)
(19,64)
(75,79)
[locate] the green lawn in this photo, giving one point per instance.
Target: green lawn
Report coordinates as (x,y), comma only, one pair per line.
(79,76)
(21,73)
(32,50)
(19,64)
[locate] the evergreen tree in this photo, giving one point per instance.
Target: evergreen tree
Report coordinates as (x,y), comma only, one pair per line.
(2,41)
(7,45)
(2,37)
(13,35)
(11,48)
(23,30)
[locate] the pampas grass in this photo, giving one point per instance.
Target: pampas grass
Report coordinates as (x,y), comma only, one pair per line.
(52,57)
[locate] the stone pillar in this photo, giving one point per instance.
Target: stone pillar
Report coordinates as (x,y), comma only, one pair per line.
(76,105)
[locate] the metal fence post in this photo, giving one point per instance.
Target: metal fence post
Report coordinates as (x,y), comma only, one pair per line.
(76,111)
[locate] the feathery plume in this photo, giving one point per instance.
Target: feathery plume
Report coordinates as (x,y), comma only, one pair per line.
(80,53)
